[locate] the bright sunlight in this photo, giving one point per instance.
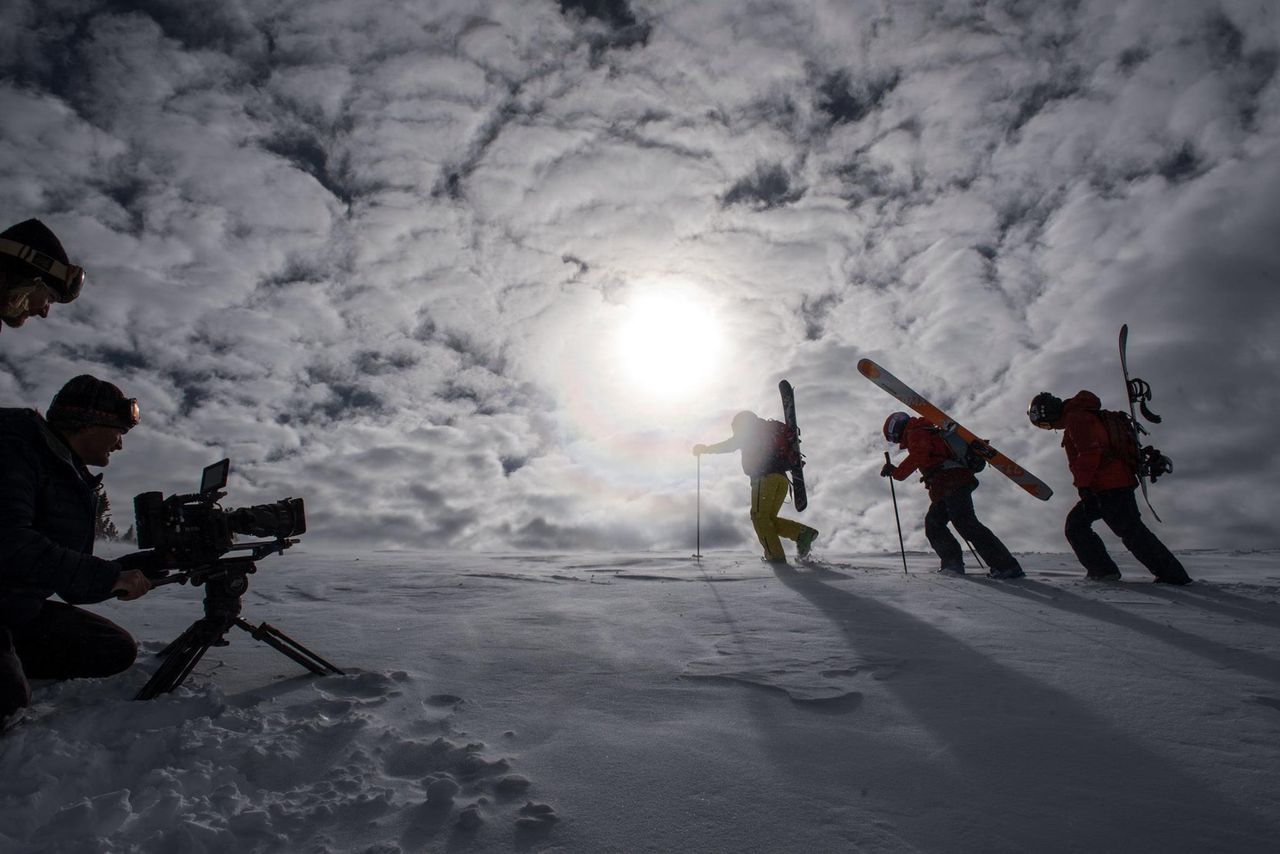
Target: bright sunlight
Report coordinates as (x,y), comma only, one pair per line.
(670,343)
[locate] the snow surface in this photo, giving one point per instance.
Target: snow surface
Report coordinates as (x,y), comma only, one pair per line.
(646,702)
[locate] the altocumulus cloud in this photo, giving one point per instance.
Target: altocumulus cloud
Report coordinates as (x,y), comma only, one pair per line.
(376,252)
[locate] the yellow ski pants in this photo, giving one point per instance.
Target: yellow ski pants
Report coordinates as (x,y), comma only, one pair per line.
(767,495)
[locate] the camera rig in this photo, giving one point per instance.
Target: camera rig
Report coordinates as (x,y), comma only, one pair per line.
(192,536)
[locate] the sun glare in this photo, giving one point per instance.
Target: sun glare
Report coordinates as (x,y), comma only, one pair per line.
(669,343)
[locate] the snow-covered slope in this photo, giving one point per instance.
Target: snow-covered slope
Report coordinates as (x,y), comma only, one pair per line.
(647,702)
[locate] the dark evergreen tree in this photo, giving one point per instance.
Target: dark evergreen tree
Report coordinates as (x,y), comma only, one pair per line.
(104,528)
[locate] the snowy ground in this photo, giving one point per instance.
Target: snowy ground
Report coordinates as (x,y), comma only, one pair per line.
(590,703)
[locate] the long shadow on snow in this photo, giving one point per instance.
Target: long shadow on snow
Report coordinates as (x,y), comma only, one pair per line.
(1211,598)
(1014,780)
(1228,657)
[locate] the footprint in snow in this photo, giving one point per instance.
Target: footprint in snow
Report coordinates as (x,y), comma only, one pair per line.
(362,685)
(536,817)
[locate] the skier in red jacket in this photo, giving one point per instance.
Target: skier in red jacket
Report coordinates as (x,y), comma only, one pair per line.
(1106,483)
(951,485)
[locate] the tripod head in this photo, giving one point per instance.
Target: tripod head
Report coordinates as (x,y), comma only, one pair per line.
(222,568)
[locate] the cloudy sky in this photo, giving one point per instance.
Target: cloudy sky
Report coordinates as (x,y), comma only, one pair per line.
(477,274)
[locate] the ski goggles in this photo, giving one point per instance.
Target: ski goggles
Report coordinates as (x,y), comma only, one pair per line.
(1039,418)
(64,280)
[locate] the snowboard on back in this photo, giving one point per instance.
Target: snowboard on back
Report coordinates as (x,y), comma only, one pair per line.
(799,494)
(940,419)
(1151,463)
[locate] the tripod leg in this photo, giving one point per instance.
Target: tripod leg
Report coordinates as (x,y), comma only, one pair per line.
(179,641)
(183,655)
(286,645)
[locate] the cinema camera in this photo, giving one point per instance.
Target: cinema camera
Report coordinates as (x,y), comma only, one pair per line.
(192,536)
(192,531)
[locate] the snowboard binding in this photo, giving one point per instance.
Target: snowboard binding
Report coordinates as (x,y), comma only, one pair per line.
(1140,393)
(1154,464)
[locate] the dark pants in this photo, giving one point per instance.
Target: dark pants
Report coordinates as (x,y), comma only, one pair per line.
(957,508)
(61,642)
(1119,509)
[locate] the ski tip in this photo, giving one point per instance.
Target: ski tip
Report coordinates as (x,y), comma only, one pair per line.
(868,368)
(784,385)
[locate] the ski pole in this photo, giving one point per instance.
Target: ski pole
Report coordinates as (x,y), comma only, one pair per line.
(893,493)
(697,554)
(975,554)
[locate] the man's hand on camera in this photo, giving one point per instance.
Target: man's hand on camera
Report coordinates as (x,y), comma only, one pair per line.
(150,563)
(131,584)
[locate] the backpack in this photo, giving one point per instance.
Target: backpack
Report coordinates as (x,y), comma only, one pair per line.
(1122,439)
(785,445)
(962,453)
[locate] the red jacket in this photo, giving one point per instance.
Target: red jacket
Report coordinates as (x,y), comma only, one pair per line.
(927,451)
(1088,451)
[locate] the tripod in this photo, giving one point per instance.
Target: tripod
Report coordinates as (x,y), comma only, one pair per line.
(223,589)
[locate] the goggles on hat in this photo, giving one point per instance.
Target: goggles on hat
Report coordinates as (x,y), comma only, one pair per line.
(121,414)
(65,280)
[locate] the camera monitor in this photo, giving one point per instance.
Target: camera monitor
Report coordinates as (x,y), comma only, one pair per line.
(215,476)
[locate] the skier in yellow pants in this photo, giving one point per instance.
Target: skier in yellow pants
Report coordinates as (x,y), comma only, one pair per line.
(764,465)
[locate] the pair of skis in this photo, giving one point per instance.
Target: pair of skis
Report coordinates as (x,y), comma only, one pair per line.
(935,416)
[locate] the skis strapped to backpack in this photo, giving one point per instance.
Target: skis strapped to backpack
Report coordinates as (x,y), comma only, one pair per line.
(1150,463)
(963,454)
(940,419)
(794,458)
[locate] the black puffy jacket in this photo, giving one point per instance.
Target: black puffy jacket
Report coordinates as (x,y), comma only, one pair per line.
(48,506)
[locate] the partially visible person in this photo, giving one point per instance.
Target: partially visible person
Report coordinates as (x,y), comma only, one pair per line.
(34,273)
(48,509)
(765,463)
(950,484)
(1106,482)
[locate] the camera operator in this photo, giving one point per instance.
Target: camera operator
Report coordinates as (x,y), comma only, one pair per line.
(48,511)
(34,272)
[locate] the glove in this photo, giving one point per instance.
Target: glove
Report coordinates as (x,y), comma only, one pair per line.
(699,450)
(887,471)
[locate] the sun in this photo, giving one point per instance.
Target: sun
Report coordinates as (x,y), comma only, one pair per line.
(669,343)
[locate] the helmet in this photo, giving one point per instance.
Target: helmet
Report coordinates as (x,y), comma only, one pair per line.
(893,426)
(743,420)
(1045,410)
